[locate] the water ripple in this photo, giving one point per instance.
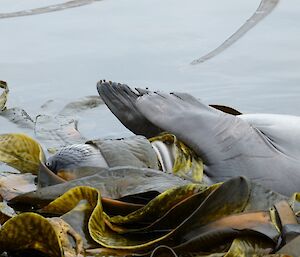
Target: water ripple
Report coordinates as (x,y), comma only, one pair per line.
(263,10)
(46,9)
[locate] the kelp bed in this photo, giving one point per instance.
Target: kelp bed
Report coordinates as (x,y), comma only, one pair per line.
(134,211)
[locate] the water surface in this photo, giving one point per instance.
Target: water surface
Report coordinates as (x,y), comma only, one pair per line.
(61,55)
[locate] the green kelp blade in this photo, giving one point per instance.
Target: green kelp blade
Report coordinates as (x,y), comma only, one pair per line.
(240,247)
(3,96)
(186,163)
(30,231)
(106,252)
(79,216)
(71,241)
(82,202)
(113,183)
(116,207)
(161,204)
(21,152)
(249,246)
(221,202)
(76,206)
(172,217)
(208,237)
(71,198)
(163,251)
(98,223)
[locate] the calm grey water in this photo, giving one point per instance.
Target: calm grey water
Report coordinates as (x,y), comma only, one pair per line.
(61,55)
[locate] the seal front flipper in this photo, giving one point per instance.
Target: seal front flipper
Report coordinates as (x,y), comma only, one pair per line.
(120,99)
(209,132)
(228,145)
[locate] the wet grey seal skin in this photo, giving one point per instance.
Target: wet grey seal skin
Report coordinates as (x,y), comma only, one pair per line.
(228,145)
(121,101)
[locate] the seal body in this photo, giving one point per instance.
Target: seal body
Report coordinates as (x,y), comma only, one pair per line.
(228,145)
(283,131)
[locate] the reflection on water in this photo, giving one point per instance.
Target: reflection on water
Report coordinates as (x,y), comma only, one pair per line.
(33,7)
(61,55)
(265,8)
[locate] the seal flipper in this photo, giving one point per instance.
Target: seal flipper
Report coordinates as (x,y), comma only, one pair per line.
(222,140)
(120,99)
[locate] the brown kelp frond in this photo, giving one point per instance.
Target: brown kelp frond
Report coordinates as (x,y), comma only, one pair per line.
(249,246)
(160,204)
(21,152)
(70,199)
(189,220)
(30,231)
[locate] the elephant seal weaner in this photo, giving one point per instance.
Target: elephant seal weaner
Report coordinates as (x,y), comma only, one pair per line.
(228,145)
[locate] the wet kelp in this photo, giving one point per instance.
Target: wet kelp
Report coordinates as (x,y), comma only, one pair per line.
(20,152)
(137,211)
(187,219)
(102,213)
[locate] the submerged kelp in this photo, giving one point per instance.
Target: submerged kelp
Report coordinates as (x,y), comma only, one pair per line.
(52,131)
